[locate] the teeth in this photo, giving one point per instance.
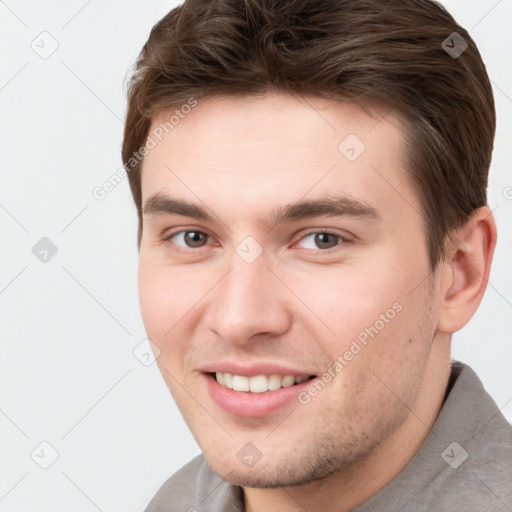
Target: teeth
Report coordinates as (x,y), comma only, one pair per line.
(240,383)
(258,384)
(274,382)
(288,381)
(228,380)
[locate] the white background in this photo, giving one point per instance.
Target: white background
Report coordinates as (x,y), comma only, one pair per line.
(68,375)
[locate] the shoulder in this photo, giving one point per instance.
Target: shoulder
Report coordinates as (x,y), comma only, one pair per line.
(178,492)
(196,488)
(464,464)
(478,471)
(473,444)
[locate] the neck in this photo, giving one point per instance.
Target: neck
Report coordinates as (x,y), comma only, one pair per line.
(344,491)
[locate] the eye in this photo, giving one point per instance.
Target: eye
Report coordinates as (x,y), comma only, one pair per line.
(190,239)
(321,240)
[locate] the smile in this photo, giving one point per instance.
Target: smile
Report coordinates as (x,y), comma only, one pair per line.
(258,383)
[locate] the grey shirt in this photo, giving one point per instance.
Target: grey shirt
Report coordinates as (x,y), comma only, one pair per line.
(465,464)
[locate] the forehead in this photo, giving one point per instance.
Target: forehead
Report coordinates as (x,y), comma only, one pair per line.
(275,149)
(277,115)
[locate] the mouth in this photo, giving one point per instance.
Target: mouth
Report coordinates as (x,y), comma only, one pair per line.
(258,383)
(256,396)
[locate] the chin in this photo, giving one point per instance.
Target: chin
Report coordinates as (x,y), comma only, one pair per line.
(258,479)
(261,476)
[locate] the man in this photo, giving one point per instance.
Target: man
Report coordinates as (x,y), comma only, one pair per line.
(310,178)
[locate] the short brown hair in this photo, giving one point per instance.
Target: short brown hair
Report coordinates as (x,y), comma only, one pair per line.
(396,51)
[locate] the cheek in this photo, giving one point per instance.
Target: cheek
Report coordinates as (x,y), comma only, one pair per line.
(347,300)
(375,321)
(154,297)
(164,298)
(164,302)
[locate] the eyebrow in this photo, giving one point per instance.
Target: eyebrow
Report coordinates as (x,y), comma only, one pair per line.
(331,206)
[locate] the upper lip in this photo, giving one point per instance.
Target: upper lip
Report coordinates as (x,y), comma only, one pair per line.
(253,369)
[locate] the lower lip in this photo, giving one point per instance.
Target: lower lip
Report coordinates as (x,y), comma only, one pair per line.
(252,405)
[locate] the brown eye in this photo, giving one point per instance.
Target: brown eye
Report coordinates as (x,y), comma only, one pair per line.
(190,239)
(195,238)
(326,240)
(321,240)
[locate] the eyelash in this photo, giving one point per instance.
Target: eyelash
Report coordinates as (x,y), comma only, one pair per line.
(342,239)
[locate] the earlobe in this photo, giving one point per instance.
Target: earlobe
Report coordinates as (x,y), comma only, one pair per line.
(468,265)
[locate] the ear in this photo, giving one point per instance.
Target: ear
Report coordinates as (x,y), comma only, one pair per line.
(466,270)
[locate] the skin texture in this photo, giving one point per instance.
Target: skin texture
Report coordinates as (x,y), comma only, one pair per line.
(300,305)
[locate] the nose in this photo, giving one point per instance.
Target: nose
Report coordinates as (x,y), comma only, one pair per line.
(249,301)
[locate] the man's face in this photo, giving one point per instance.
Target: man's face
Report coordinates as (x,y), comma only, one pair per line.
(244,283)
